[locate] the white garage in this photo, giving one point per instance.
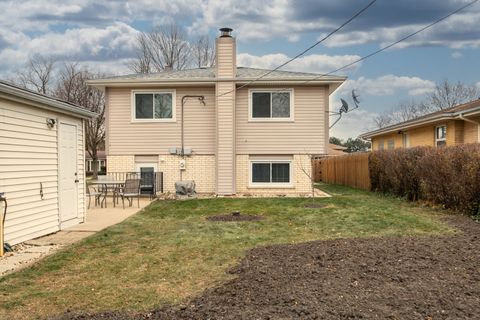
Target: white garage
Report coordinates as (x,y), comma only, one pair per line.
(42,157)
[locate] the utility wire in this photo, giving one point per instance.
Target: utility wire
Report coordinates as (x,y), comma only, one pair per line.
(306,50)
(393,43)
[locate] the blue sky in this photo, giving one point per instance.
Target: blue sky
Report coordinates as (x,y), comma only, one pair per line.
(101,35)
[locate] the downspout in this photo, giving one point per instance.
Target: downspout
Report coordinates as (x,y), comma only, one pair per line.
(200,98)
(461,117)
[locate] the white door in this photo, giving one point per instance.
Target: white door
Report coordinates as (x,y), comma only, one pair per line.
(67,171)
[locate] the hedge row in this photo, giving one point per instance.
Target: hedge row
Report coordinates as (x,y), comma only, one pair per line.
(448,176)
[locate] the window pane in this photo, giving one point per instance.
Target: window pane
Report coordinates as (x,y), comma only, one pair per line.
(441,143)
(441,132)
(144,106)
(260,172)
(163,106)
(260,105)
(391,144)
(281,172)
(280,105)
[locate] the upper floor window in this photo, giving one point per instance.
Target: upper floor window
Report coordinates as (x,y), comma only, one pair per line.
(156,105)
(440,135)
(271,105)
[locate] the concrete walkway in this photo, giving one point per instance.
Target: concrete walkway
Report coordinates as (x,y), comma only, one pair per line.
(97,219)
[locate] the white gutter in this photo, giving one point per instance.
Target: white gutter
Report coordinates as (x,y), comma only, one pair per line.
(20,95)
(190,82)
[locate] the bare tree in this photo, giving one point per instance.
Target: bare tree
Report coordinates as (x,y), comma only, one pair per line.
(447,95)
(143,61)
(72,86)
(162,49)
(38,74)
(203,52)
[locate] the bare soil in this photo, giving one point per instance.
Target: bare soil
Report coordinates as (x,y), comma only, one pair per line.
(365,278)
(315,205)
(234,217)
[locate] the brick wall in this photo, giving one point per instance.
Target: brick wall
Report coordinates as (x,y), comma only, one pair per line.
(120,163)
(200,168)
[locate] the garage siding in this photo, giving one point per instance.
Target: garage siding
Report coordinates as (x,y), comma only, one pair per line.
(29,161)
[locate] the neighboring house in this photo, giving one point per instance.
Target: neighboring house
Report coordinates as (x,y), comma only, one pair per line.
(101,158)
(336,150)
(41,163)
(456,125)
(249,135)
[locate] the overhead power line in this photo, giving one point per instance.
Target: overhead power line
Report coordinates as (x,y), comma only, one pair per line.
(394,43)
(306,50)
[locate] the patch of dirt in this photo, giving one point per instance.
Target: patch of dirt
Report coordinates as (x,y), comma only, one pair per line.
(234,216)
(315,205)
(363,278)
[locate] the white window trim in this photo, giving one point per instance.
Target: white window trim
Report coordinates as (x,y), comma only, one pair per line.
(406,140)
(174,107)
(440,139)
(250,107)
(252,184)
(140,165)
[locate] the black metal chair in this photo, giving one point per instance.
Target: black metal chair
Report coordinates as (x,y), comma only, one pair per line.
(147,183)
(130,190)
(93,193)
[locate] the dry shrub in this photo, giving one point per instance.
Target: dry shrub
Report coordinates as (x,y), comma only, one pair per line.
(448,176)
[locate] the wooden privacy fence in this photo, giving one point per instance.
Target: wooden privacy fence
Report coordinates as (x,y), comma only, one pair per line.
(349,170)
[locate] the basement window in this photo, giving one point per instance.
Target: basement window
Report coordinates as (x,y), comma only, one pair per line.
(271,105)
(153,106)
(440,135)
(270,173)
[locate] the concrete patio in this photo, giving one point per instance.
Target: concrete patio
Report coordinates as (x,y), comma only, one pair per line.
(97,219)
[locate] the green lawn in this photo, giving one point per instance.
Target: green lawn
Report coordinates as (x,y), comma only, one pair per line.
(169,252)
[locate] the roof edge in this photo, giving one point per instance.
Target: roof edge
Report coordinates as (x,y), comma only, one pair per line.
(43,100)
(415,122)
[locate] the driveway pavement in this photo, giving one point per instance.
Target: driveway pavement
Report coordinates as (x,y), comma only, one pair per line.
(33,250)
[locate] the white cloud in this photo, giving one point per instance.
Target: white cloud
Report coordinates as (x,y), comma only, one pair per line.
(389,85)
(478,85)
(113,42)
(316,63)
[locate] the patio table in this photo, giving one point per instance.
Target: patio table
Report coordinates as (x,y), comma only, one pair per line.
(107,184)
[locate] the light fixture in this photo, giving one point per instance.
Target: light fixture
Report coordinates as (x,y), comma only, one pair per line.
(51,122)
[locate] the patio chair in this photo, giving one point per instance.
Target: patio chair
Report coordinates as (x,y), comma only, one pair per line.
(147,183)
(130,190)
(93,193)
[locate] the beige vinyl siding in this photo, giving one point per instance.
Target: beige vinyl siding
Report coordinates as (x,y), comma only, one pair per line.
(28,157)
(305,134)
(225,138)
(226,57)
(125,137)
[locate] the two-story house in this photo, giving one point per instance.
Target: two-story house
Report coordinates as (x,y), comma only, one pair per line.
(232,130)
